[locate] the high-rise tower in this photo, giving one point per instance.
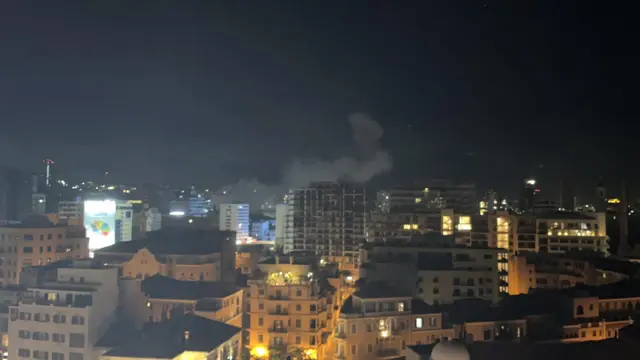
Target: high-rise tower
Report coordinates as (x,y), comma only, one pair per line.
(47,172)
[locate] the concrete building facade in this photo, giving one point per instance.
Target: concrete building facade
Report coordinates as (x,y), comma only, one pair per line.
(62,319)
(36,241)
(235,217)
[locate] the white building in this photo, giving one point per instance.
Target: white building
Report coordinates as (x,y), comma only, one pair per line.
(70,209)
(124,221)
(152,219)
(281,223)
(235,217)
(63,317)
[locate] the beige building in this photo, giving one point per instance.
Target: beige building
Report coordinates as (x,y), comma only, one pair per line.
(436,270)
(561,271)
(156,298)
(36,241)
(179,253)
(247,259)
(64,317)
(290,308)
(378,323)
(552,232)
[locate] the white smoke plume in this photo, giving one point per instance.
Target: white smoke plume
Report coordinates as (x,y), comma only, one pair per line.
(370,160)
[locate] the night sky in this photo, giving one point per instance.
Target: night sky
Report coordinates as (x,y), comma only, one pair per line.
(214,91)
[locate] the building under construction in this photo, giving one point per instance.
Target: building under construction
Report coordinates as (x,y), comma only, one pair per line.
(326,218)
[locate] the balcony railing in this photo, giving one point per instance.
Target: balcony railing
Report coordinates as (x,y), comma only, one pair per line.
(386,352)
(279,312)
(59,303)
(280,330)
(340,335)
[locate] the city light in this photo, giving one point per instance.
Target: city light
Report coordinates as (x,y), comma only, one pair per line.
(176,213)
(260,352)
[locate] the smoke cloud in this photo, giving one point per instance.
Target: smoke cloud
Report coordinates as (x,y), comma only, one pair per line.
(369,160)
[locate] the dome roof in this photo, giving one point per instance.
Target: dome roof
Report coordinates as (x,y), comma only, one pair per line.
(450,350)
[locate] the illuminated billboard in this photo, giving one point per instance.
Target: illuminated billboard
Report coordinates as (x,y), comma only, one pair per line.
(100,222)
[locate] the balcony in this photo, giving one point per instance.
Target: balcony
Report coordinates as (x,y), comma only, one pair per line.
(279,312)
(280,330)
(387,352)
(278,297)
(340,335)
(81,303)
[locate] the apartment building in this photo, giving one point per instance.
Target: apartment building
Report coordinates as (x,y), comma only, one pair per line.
(180,253)
(529,271)
(289,307)
(379,322)
(183,337)
(235,217)
(156,298)
(552,232)
(71,211)
(407,222)
(10,295)
(433,194)
(36,241)
(64,318)
(328,219)
(437,270)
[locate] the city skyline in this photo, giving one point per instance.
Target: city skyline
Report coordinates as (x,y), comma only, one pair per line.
(460,91)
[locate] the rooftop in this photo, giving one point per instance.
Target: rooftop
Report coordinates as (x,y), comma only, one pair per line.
(162,287)
(379,289)
(564,215)
(287,259)
(73,264)
(430,240)
(174,241)
(166,340)
(619,290)
(32,222)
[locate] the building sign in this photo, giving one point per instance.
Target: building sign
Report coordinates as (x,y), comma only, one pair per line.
(100,223)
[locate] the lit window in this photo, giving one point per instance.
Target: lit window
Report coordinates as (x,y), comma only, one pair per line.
(419,323)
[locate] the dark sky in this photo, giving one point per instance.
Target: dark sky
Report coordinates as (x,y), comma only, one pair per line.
(214,91)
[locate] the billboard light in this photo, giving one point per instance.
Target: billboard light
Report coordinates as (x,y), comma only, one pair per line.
(100,222)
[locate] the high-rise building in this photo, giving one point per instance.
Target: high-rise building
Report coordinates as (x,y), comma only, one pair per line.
(235,217)
(124,221)
(153,220)
(64,316)
(328,219)
(195,205)
(432,194)
(70,210)
(528,195)
(281,224)
(48,172)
